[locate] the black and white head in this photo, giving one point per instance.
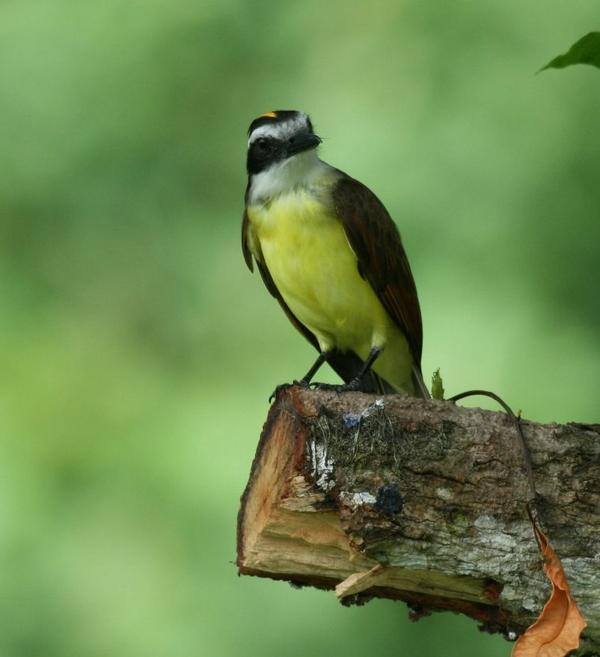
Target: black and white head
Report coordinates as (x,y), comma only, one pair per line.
(276,137)
(282,154)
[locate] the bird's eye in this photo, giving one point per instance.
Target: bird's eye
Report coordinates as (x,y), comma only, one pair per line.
(263,144)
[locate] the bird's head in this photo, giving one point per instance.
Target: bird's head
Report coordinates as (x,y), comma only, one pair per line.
(278,136)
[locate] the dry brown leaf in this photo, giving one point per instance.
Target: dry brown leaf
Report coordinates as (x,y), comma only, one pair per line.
(556,631)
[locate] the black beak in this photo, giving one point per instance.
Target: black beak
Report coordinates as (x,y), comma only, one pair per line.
(302,142)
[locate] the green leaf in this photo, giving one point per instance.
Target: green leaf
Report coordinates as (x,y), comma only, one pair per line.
(437,386)
(584,51)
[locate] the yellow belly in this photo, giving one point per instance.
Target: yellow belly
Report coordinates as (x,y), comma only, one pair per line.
(315,270)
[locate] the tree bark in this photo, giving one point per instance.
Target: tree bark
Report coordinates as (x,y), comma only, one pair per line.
(422,501)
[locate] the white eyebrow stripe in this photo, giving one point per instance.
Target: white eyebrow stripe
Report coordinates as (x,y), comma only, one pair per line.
(279,130)
(270,130)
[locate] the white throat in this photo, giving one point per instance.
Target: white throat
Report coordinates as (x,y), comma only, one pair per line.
(300,171)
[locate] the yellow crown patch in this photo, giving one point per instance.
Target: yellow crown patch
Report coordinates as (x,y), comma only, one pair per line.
(270,115)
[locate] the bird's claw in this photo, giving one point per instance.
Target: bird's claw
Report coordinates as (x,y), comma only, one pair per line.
(279,388)
(303,383)
(352,386)
(330,387)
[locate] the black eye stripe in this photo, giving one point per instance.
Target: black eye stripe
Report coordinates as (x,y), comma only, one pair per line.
(262,152)
(263,144)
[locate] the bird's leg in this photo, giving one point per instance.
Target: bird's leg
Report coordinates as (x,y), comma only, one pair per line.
(316,366)
(306,379)
(356,382)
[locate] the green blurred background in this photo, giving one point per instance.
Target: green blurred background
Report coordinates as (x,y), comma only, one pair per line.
(137,352)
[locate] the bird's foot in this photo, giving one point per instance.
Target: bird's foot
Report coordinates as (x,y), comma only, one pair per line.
(283,386)
(353,385)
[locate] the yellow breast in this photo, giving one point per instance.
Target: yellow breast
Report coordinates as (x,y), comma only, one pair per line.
(308,255)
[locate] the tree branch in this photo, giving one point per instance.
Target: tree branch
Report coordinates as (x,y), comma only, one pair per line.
(422,501)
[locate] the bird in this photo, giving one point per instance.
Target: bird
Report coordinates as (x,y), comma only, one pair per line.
(331,255)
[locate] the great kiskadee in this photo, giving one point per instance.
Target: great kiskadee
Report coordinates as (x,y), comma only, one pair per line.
(329,252)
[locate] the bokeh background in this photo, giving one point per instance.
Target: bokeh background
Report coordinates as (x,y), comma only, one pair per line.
(137,352)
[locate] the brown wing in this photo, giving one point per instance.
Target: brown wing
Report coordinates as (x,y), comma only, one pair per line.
(345,364)
(245,246)
(375,240)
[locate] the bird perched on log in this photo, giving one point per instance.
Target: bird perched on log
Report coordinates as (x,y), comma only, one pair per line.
(330,253)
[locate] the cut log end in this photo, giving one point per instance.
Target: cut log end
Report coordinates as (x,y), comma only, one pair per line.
(413,500)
